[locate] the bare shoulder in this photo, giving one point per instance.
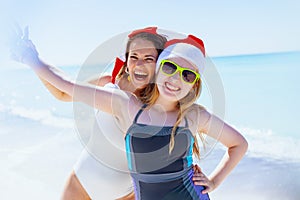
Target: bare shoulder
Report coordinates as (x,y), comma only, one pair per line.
(198,117)
(134,106)
(129,108)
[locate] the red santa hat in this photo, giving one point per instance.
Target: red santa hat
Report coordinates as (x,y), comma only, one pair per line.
(190,48)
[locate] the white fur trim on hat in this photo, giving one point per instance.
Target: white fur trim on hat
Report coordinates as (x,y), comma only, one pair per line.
(187,51)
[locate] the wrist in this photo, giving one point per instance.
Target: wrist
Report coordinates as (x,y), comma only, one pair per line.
(213,183)
(30,58)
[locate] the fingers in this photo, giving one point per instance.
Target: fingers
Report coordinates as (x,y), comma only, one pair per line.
(13,36)
(198,168)
(18,33)
(26,33)
(203,181)
(206,190)
(18,30)
(194,168)
(20,45)
(199,177)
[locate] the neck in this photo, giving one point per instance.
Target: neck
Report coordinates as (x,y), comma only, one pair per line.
(166,105)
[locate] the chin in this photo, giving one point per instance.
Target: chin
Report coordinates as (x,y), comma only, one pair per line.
(169,96)
(139,85)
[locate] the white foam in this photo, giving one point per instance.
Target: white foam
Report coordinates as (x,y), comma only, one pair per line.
(45,117)
(267,143)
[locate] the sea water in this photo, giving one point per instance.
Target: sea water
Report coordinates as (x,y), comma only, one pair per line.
(39,143)
(262,102)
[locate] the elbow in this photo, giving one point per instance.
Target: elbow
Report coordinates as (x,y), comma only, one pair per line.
(65,98)
(241,146)
(244,145)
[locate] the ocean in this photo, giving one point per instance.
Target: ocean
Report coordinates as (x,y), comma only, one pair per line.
(39,144)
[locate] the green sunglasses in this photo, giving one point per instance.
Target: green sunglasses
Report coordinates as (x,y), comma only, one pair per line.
(169,68)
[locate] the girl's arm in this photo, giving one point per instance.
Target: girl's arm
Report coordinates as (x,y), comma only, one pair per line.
(229,137)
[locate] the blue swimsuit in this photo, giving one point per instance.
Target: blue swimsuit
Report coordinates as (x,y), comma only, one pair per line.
(158,175)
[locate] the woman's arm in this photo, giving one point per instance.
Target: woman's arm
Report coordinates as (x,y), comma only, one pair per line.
(24,51)
(63,96)
(58,94)
(100,98)
(112,101)
(236,147)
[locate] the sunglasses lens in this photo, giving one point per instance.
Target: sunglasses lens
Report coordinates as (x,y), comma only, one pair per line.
(188,76)
(168,68)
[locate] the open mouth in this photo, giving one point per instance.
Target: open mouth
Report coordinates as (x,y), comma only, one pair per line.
(171,87)
(140,75)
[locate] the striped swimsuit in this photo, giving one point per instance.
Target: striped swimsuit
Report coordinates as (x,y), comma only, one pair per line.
(158,175)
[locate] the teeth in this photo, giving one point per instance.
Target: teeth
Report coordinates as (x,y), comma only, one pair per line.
(171,87)
(141,73)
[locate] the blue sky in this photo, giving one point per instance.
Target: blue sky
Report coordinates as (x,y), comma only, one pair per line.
(65,32)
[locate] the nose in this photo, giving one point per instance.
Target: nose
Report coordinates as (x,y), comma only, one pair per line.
(176,76)
(139,62)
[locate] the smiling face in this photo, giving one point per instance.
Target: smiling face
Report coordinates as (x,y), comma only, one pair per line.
(141,62)
(173,88)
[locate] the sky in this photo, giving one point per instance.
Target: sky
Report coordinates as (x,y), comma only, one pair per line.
(66,32)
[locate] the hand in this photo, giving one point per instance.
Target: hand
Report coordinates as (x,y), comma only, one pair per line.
(21,48)
(199,178)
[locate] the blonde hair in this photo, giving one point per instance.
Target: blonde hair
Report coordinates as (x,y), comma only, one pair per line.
(149,95)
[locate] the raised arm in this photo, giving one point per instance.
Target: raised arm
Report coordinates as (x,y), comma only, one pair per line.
(62,96)
(99,98)
(23,50)
(229,137)
(58,94)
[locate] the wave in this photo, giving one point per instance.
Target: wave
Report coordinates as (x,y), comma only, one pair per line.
(269,144)
(264,143)
(45,117)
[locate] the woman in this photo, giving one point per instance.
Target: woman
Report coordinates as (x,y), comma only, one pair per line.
(90,175)
(162,125)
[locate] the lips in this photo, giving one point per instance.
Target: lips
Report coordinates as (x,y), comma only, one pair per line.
(171,87)
(139,75)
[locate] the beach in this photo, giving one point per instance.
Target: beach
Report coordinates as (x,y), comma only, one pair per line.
(39,143)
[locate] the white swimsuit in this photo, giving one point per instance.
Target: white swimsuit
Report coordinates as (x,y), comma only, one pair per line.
(102,166)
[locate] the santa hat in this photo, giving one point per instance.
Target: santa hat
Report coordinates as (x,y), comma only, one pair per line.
(191,49)
(120,61)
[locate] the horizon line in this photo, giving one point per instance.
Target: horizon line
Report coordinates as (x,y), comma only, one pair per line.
(256,54)
(213,57)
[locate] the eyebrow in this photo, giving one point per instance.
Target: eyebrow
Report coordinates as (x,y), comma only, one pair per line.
(147,55)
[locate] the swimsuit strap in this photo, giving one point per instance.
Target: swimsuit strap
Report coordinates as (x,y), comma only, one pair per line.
(139,113)
(186,122)
(143,108)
